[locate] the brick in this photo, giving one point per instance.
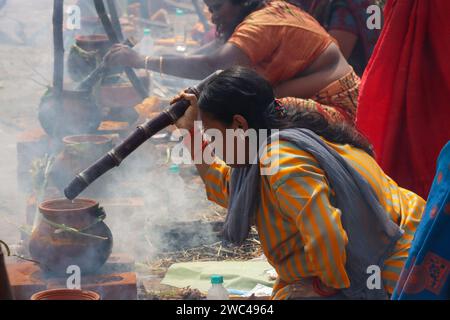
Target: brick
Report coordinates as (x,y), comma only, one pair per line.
(118,262)
(118,286)
(114,286)
(115,281)
(25,277)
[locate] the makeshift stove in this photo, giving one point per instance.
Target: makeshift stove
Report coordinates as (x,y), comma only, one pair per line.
(116,280)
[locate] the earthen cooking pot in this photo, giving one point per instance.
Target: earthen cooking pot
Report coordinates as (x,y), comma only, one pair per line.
(78,153)
(71,233)
(79,113)
(65,294)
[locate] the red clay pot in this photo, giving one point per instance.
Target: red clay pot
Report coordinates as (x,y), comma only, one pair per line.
(65,294)
(122,95)
(79,152)
(79,63)
(98,140)
(94,42)
(56,249)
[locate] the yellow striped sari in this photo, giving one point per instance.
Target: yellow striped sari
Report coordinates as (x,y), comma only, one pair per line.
(299,228)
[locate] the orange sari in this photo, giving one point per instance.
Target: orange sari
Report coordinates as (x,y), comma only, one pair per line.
(281,40)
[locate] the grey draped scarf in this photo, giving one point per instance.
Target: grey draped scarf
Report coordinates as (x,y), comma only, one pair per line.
(372,235)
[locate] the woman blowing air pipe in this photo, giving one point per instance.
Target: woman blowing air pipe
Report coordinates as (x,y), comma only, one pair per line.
(328,212)
(277,39)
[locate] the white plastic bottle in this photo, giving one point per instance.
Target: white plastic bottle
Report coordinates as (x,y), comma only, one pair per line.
(217,290)
(179,31)
(146,46)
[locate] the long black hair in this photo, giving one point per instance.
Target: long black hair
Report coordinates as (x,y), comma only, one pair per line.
(242,91)
(247,7)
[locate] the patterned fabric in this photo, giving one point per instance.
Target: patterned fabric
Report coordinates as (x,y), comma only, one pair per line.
(338,101)
(350,16)
(281,40)
(300,229)
(426,274)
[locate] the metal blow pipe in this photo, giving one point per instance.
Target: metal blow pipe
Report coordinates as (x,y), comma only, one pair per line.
(141,134)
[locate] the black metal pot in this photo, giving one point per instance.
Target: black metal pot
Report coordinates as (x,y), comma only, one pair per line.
(78,114)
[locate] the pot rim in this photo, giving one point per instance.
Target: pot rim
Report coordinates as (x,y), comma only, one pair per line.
(75,293)
(102,139)
(92,38)
(69,93)
(44,206)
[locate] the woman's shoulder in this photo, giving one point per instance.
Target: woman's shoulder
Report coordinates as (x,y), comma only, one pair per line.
(278,13)
(282,160)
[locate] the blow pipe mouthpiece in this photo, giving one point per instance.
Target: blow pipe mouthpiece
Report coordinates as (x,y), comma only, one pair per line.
(76,186)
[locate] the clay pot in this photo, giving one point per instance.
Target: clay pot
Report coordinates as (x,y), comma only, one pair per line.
(122,94)
(79,152)
(117,99)
(56,248)
(94,42)
(97,140)
(79,113)
(127,115)
(65,294)
(86,54)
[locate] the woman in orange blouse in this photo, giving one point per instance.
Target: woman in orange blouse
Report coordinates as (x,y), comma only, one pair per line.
(277,39)
(305,230)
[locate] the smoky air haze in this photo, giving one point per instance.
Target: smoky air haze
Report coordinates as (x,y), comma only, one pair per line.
(25,40)
(26,69)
